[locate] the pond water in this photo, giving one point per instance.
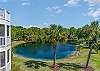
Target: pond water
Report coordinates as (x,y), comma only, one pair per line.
(45,51)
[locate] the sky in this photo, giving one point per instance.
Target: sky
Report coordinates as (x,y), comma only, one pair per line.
(42,13)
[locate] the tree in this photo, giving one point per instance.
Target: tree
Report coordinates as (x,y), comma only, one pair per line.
(42,35)
(95,32)
(91,44)
(94,28)
(54,38)
(72,34)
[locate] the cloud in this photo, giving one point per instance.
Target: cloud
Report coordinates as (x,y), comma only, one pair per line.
(66,4)
(93,8)
(59,11)
(92,2)
(26,4)
(71,2)
(90,8)
(49,9)
(28,26)
(94,13)
(54,9)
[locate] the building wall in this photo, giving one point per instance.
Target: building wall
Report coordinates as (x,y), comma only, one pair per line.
(5,41)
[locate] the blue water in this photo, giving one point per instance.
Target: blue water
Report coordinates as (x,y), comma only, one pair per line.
(45,51)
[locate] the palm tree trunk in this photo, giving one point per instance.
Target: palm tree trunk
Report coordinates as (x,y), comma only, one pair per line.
(54,56)
(89,55)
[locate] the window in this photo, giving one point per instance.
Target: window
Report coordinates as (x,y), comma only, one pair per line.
(8,55)
(2,41)
(2,59)
(2,30)
(7,30)
(2,13)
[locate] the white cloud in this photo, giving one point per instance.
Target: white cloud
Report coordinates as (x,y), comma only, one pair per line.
(66,4)
(28,26)
(71,2)
(92,2)
(54,9)
(45,23)
(26,4)
(94,13)
(90,8)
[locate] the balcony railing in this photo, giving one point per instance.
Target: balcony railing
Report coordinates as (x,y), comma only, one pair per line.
(2,69)
(8,40)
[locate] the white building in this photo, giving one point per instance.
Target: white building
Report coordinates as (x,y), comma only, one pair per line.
(5,41)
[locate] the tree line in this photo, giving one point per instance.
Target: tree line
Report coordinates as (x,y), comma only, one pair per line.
(35,34)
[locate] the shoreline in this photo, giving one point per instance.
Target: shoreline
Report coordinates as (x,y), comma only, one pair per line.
(15,43)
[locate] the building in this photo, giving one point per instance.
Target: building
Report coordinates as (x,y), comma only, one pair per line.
(5,41)
(98,40)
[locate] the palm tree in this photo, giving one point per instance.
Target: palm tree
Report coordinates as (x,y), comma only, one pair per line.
(91,44)
(94,28)
(95,32)
(54,43)
(54,38)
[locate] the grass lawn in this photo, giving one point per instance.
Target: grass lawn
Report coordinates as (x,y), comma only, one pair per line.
(72,63)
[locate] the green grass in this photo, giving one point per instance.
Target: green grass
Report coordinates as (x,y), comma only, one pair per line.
(67,64)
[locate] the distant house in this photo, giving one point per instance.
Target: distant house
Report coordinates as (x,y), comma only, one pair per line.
(81,41)
(98,40)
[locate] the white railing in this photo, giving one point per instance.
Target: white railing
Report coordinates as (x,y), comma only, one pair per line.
(8,40)
(2,68)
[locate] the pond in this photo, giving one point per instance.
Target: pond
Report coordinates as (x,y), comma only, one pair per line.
(45,51)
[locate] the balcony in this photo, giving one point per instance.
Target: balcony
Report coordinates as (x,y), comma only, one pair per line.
(2,59)
(2,35)
(4,15)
